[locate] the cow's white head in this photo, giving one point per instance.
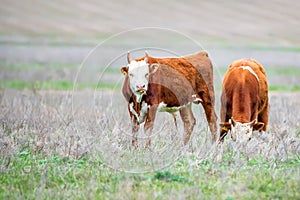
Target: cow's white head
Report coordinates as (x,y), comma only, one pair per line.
(138,74)
(242,131)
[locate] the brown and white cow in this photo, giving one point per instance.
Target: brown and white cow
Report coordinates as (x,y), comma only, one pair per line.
(169,85)
(244,100)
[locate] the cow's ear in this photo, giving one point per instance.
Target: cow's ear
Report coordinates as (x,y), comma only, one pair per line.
(258,126)
(253,122)
(225,126)
(153,68)
(124,70)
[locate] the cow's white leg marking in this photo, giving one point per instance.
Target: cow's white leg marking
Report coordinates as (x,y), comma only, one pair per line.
(138,97)
(133,111)
(140,118)
(196,100)
(143,112)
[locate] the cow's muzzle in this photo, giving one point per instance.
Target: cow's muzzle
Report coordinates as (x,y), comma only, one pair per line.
(141,89)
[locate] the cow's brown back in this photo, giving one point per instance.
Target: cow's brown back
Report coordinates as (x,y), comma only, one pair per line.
(174,82)
(190,66)
(260,72)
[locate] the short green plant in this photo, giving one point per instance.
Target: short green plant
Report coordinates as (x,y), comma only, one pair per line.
(28,175)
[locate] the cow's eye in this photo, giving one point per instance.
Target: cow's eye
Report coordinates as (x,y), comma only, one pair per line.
(131,75)
(147,75)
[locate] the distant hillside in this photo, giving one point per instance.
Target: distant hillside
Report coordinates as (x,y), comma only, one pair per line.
(260,21)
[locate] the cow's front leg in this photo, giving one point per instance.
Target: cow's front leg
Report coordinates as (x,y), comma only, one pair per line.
(135,129)
(148,127)
(264,116)
(189,121)
(224,118)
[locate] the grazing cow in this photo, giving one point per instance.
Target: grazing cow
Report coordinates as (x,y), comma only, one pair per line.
(244,100)
(169,85)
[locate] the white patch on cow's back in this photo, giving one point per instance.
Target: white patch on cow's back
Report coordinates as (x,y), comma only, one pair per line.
(162,107)
(250,70)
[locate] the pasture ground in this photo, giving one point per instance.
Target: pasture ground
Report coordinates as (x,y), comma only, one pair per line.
(51,149)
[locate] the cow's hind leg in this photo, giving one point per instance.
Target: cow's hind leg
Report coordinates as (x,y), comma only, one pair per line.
(211,118)
(175,120)
(188,119)
(263,116)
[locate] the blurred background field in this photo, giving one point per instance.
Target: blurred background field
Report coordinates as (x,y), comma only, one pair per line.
(65,130)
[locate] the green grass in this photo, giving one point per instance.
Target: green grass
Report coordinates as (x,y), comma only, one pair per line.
(282,88)
(15,67)
(290,88)
(295,71)
(8,66)
(56,85)
(274,71)
(29,176)
(68,85)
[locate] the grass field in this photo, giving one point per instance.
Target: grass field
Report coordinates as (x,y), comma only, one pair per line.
(60,140)
(33,76)
(33,176)
(52,148)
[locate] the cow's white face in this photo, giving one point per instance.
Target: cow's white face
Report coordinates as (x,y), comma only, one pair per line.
(138,74)
(243,131)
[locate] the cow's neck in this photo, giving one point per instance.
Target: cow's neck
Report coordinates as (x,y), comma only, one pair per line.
(242,110)
(139,97)
(138,110)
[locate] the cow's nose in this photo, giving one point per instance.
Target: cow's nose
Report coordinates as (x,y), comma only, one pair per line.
(140,86)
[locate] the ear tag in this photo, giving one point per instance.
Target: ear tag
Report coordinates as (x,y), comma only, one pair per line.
(225,128)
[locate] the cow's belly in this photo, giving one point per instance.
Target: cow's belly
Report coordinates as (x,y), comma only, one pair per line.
(162,107)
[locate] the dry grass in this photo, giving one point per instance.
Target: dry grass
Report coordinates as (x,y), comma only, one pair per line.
(62,139)
(87,123)
(74,125)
